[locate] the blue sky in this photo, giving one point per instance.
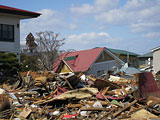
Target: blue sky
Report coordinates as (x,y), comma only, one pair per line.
(132,25)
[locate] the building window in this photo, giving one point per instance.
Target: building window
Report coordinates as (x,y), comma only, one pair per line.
(6,33)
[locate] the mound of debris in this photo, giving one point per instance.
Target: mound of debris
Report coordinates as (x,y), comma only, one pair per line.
(48,96)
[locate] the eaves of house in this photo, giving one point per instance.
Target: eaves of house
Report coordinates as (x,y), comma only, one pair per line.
(23,14)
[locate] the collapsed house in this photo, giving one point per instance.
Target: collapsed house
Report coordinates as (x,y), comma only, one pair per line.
(92,61)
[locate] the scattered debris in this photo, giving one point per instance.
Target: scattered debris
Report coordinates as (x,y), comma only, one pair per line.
(48,95)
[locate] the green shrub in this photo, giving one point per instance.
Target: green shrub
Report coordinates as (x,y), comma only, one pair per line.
(9,65)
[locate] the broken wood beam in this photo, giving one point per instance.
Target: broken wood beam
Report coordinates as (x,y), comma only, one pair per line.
(68,83)
(124,108)
(106,114)
(94,109)
(74,105)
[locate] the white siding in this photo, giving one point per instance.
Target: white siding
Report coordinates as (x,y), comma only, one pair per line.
(11,46)
(103,66)
(156,60)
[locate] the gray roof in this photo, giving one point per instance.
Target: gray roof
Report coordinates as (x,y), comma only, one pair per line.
(147,55)
(122,52)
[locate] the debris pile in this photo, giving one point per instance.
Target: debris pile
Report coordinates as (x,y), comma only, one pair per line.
(48,96)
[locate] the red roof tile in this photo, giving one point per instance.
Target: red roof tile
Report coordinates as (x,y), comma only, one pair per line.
(83,60)
(16,11)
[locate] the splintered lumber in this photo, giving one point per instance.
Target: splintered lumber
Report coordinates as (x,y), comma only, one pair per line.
(124,108)
(106,114)
(74,105)
(99,83)
(18,94)
(24,114)
(33,99)
(105,90)
(93,109)
(76,94)
(143,114)
(40,101)
(92,102)
(68,83)
(91,78)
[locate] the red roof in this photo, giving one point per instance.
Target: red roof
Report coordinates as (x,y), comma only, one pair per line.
(82,59)
(16,11)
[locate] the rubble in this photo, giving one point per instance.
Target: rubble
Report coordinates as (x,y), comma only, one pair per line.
(47,95)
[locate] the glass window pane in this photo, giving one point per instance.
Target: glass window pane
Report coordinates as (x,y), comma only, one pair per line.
(10,35)
(0,32)
(10,27)
(5,31)
(10,32)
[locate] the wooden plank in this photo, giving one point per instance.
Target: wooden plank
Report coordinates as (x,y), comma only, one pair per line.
(105,90)
(24,114)
(106,114)
(74,105)
(94,109)
(68,83)
(124,108)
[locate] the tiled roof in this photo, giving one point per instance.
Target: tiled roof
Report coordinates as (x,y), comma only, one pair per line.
(122,52)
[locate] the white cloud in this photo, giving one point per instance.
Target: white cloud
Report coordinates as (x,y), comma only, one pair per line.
(49,20)
(105,5)
(89,40)
(98,6)
(84,9)
(88,37)
(152,35)
(141,27)
(73,26)
(140,15)
(132,12)
(103,34)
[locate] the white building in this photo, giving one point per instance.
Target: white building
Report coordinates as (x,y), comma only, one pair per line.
(10,27)
(156,59)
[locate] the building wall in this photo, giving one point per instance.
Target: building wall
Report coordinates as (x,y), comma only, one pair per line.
(144,61)
(11,46)
(103,66)
(156,60)
(65,69)
(104,57)
(133,60)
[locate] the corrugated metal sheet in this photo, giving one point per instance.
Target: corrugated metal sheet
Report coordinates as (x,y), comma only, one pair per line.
(147,85)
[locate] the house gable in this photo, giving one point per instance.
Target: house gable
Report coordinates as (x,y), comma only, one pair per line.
(65,69)
(104,57)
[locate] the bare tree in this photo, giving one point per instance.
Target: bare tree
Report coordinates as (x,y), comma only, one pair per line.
(48,47)
(23,48)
